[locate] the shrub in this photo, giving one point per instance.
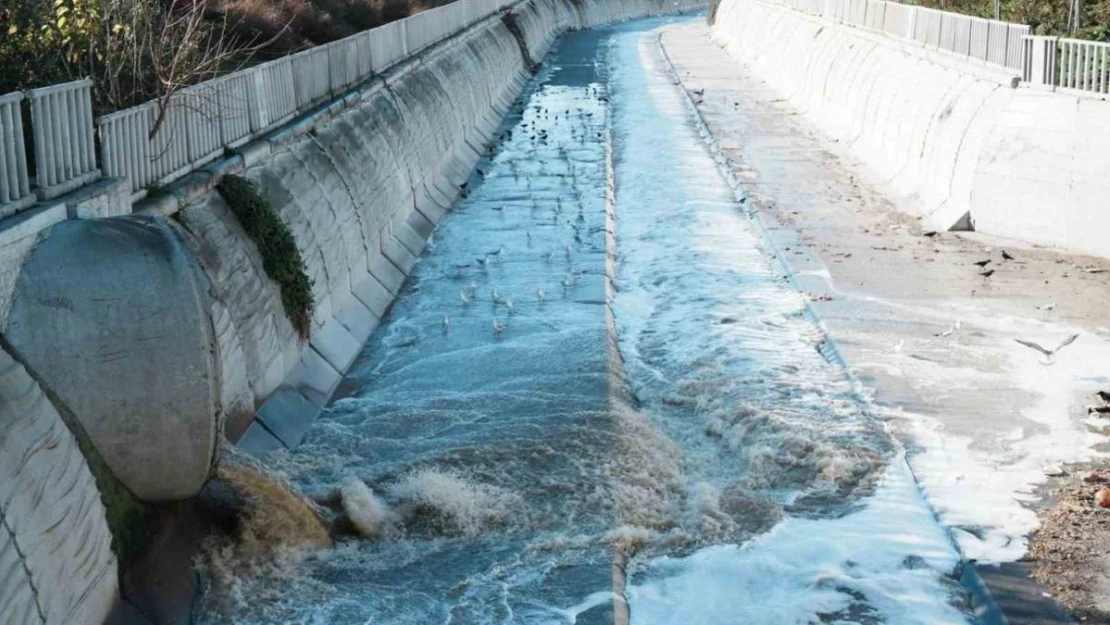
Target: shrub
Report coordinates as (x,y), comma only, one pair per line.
(280,257)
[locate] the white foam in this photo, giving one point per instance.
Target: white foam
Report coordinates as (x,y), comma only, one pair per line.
(891,556)
(368,513)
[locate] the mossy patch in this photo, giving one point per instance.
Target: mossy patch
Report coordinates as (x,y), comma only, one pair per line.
(280,257)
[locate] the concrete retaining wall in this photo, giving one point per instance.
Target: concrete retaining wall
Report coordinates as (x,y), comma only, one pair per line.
(950,136)
(56,561)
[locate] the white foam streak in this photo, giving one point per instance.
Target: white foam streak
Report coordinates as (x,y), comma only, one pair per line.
(891,554)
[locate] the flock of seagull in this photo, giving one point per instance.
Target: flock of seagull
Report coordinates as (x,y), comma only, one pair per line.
(539,137)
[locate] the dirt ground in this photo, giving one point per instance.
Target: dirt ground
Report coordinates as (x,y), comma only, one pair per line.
(984,423)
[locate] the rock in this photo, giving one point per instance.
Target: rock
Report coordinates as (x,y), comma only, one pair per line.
(1054,471)
(1102,498)
(1096,477)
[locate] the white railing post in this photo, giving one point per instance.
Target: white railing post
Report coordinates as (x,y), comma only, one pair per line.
(65,158)
(15,187)
(1039,60)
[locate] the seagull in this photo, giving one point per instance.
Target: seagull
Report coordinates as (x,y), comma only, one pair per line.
(459,267)
(1049,353)
(483,263)
(982,263)
(508,303)
(568,252)
(988,273)
(498,328)
(464,298)
(541,295)
(495,295)
(899,346)
(568,281)
(1006,256)
(472,287)
(548,256)
(496,255)
(529,233)
(950,331)
(446,324)
(1047,308)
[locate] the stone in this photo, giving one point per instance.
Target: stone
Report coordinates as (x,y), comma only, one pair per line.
(1102,498)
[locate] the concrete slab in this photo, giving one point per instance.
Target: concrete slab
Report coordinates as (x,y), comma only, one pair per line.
(257,440)
(286,415)
(373,294)
(359,320)
(335,344)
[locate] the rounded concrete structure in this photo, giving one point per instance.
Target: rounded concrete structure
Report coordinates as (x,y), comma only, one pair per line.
(113,313)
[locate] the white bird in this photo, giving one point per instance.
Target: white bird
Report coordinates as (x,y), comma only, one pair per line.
(548,256)
(1049,353)
(541,294)
(498,327)
(464,298)
(496,255)
(568,252)
(1047,308)
(483,263)
(899,346)
(508,304)
(473,288)
(495,295)
(446,324)
(568,281)
(950,331)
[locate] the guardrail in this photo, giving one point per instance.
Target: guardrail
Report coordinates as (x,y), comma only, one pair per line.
(990,41)
(156,142)
(65,156)
(15,186)
(1068,64)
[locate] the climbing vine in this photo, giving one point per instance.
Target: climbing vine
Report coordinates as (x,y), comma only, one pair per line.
(280,257)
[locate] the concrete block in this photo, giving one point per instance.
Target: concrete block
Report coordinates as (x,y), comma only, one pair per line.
(287,415)
(373,294)
(385,272)
(107,197)
(398,254)
(314,377)
(257,440)
(336,344)
(357,317)
(422,226)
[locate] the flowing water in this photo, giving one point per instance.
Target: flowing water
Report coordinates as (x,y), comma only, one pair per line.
(600,399)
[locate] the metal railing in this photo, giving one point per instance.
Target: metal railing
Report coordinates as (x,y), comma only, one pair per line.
(15,186)
(990,41)
(156,142)
(1065,64)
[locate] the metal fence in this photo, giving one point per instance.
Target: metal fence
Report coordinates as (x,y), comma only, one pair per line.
(1068,64)
(156,142)
(990,41)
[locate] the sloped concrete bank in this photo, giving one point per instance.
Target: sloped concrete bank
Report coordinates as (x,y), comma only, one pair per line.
(951,137)
(162,329)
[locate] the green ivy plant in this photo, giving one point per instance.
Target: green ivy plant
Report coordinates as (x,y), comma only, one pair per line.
(280,257)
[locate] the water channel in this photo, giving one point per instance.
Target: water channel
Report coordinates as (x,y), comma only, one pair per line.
(600,399)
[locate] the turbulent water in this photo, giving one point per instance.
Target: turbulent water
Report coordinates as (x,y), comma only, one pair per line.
(600,398)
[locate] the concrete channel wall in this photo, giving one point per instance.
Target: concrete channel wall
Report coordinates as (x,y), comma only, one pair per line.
(953,137)
(160,328)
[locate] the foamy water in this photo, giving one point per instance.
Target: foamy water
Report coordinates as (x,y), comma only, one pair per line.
(718,470)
